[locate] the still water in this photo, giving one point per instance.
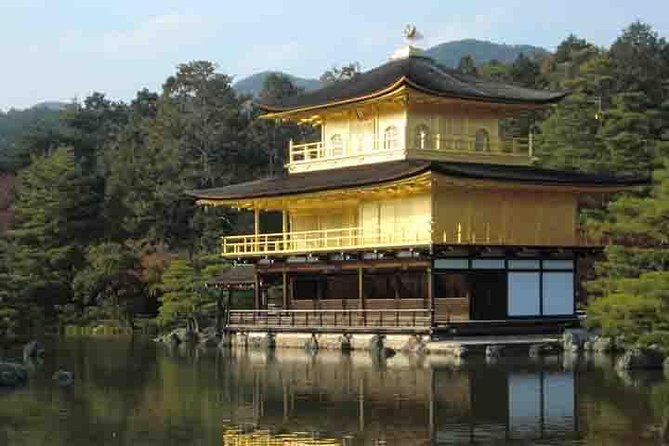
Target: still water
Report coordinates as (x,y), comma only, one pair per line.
(135,392)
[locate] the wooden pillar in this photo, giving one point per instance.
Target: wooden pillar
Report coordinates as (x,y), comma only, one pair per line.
(361,291)
(284,229)
(256,227)
(256,294)
(219,311)
(430,295)
(285,290)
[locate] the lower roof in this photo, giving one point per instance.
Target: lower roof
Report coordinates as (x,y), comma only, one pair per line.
(379,173)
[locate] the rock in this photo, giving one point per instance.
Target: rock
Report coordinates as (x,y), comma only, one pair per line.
(311,346)
(414,344)
(270,341)
(173,338)
(641,358)
(63,378)
(573,340)
(33,350)
(461,351)
(345,343)
(377,347)
(190,336)
(601,344)
(12,374)
(225,342)
(537,350)
(376,343)
(208,337)
(209,341)
(493,351)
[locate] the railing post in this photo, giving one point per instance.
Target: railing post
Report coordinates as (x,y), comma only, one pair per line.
(530,142)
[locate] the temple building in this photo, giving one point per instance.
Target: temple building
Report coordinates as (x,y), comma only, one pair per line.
(413,212)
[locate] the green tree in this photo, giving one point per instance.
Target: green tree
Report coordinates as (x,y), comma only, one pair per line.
(111,279)
(630,293)
(10,307)
(57,211)
(525,71)
(495,70)
(185,296)
(467,65)
(343,73)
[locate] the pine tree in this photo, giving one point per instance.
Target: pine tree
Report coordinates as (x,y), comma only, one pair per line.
(57,210)
(630,294)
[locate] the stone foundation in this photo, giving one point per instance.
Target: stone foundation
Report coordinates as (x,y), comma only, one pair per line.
(387,344)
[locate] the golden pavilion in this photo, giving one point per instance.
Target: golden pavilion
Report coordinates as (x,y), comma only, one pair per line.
(412,213)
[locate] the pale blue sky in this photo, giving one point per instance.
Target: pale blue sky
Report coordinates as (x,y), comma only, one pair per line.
(57,50)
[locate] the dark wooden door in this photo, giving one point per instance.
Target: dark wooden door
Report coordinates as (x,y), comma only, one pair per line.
(489,295)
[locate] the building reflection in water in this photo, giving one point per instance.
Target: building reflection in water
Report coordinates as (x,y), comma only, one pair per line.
(337,399)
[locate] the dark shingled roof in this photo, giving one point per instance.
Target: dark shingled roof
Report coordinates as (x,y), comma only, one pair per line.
(371,174)
(237,275)
(423,74)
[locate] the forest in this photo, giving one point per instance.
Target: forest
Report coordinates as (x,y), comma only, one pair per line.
(104,233)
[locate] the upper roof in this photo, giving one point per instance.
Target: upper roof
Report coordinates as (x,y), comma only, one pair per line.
(372,174)
(423,74)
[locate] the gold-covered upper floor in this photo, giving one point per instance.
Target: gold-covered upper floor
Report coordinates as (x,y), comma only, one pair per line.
(409,125)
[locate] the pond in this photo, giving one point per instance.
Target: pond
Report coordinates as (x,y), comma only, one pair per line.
(137,392)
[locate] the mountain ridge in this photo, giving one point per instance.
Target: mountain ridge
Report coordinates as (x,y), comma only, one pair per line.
(447,53)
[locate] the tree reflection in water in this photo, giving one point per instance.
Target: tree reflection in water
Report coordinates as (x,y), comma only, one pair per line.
(140,393)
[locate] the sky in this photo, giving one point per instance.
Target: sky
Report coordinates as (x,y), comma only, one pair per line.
(62,50)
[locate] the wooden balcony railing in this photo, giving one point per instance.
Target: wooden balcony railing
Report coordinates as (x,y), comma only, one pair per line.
(342,239)
(398,319)
(320,150)
(465,143)
(321,240)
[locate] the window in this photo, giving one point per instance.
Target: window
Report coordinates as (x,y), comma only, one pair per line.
(341,286)
(451,285)
(390,140)
(482,141)
(392,284)
(305,288)
(336,145)
(558,293)
(422,137)
(523,294)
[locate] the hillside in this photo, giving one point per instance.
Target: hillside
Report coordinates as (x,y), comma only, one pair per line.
(449,53)
(252,85)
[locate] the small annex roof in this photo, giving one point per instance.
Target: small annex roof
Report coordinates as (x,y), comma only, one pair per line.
(421,73)
(380,173)
(236,276)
